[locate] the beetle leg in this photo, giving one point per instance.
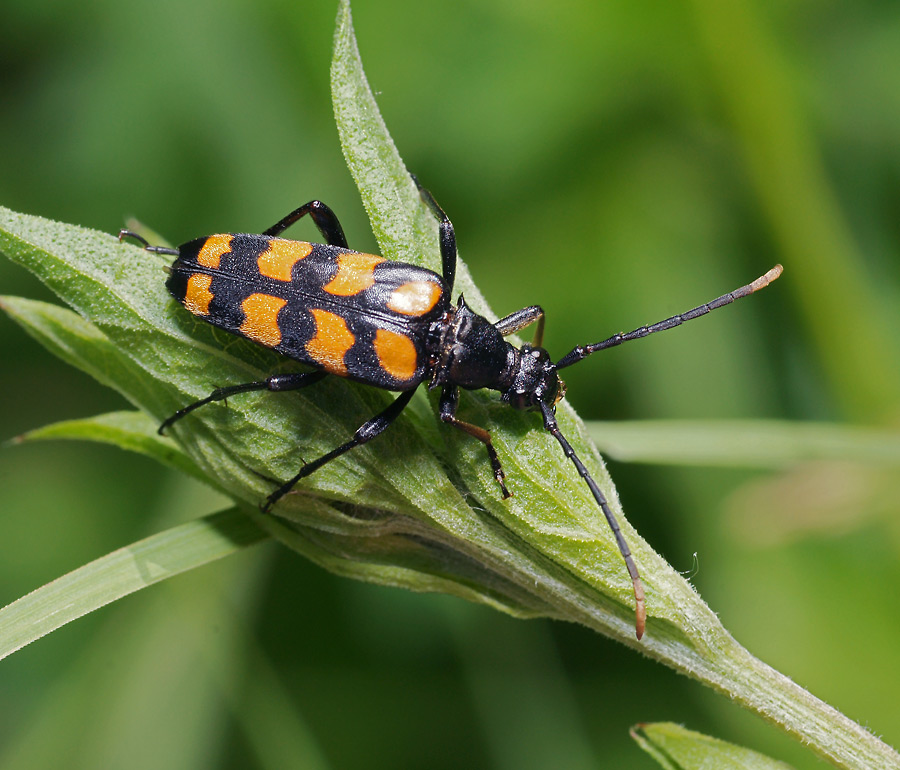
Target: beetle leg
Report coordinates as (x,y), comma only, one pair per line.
(275,383)
(323,217)
(448,405)
(367,431)
(446,236)
(520,319)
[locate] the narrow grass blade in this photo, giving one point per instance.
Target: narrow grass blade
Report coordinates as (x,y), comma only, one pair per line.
(122,572)
(744,443)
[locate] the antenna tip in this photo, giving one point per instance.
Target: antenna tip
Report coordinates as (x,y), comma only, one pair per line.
(761,282)
(640,610)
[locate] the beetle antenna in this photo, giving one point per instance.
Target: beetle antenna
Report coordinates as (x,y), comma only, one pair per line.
(640,609)
(147,247)
(583,351)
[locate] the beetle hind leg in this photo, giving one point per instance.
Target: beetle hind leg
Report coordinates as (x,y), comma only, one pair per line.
(276,383)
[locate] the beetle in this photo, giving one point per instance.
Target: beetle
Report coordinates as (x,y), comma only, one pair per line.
(386,324)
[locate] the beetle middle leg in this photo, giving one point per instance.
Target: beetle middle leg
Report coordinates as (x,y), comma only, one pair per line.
(448,405)
(366,432)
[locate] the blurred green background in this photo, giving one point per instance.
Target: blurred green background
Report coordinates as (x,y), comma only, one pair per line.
(616,162)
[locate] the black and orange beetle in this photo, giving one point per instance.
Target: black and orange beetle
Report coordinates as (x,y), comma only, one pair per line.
(386,324)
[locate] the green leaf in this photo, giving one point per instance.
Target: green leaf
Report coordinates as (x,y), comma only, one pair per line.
(676,748)
(744,443)
(404,230)
(80,343)
(133,431)
(122,572)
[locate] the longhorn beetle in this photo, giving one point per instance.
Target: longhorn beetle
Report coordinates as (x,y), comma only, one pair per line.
(386,324)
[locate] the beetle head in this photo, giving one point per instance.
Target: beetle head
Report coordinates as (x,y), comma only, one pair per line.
(535,382)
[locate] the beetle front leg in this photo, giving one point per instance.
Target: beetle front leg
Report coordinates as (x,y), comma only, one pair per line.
(448,405)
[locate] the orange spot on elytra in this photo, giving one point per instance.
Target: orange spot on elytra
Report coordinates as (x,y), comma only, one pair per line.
(213,249)
(261,318)
(279,259)
(356,273)
(396,354)
(332,341)
(197,296)
(414,298)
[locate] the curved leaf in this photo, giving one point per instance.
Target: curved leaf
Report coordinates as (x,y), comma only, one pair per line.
(132,431)
(676,748)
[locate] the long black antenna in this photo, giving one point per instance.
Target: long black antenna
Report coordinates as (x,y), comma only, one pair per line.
(583,351)
(640,610)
